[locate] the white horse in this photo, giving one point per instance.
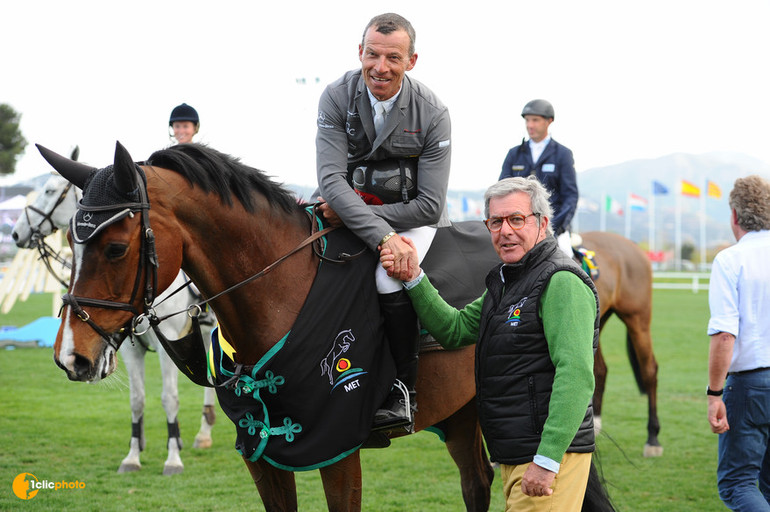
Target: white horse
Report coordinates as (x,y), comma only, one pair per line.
(52,209)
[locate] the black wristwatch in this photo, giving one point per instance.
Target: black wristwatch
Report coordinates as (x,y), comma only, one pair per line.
(711,392)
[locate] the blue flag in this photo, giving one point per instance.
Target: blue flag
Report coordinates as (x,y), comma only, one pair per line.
(659,188)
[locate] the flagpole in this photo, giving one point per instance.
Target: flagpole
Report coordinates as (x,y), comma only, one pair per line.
(678,229)
(628,216)
(575,228)
(603,214)
(703,226)
(651,241)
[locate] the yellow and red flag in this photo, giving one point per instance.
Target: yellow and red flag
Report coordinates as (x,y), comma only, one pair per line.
(713,190)
(689,189)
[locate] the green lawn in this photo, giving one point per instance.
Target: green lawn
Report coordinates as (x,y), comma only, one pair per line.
(64,431)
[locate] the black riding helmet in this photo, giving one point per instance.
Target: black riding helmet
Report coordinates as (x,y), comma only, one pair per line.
(538,108)
(183,112)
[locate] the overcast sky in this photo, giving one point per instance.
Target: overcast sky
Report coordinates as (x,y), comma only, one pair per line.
(628,80)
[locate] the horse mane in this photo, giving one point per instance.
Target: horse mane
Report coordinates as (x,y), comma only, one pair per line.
(224,175)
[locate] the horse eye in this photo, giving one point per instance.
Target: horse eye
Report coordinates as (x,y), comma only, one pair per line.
(115,251)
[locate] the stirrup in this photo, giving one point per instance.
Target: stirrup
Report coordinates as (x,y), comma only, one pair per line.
(407,422)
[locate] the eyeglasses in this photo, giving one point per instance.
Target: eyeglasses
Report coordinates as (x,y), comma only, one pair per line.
(516,221)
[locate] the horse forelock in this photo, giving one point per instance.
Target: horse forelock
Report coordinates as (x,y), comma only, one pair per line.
(224,175)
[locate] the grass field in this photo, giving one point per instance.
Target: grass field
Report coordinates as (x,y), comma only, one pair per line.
(63,431)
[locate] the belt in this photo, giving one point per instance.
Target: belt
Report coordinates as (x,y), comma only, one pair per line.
(744,372)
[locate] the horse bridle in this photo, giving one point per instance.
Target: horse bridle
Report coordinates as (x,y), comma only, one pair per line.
(37,239)
(148,258)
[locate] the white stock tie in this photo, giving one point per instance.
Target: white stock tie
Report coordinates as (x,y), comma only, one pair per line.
(379,117)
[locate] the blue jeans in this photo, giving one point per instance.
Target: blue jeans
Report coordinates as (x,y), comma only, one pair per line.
(744,450)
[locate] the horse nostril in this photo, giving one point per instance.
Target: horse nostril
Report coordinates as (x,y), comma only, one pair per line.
(82,369)
(15,236)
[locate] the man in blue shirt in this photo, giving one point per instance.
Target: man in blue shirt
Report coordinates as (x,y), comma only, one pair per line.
(739,353)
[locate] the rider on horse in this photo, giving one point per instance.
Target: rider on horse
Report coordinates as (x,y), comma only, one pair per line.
(554,166)
(377,130)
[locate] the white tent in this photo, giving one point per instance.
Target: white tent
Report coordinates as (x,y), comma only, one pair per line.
(17,202)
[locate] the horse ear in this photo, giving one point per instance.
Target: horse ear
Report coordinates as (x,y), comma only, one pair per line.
(75,153)
(75,172)
(125,171)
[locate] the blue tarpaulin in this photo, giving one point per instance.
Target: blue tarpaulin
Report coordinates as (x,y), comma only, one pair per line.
(42,332)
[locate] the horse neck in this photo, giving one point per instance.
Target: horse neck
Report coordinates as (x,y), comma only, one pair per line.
(228,245)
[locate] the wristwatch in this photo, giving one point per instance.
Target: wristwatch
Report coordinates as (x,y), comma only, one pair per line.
(711,392)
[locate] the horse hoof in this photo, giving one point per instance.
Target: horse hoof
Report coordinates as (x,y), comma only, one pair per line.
(202,443)
(128,468)
(653,451)
(172,470)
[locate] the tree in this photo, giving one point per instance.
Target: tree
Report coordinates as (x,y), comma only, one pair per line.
(12,142)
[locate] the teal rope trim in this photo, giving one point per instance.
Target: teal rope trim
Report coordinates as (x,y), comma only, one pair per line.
(247,385)
(440,433)
(252,425)
(311,467)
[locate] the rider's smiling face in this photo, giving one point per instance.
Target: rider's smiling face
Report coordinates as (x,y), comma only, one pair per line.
(385,60)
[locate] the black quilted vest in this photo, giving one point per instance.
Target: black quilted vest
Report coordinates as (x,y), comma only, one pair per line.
(514,373)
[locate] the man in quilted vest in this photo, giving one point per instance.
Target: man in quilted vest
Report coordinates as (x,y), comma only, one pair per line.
(535,328)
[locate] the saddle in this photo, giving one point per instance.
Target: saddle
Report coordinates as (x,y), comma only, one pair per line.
(585,258)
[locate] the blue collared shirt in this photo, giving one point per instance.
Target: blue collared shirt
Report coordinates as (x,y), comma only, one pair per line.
(739,299)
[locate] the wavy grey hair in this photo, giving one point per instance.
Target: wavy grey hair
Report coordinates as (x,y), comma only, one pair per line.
(538,195)
(750,198)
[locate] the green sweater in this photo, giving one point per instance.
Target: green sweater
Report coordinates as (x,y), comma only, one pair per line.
(568,311)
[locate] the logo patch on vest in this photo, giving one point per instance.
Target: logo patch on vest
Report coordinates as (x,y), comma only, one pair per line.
(514,312)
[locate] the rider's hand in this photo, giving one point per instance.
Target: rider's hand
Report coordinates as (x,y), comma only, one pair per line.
(330,215)
(399,258)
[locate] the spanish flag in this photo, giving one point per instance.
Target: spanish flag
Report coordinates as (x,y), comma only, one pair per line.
(688,189)
(713,190)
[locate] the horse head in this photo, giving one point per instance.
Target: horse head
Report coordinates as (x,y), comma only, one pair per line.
(115,265)
(50,210)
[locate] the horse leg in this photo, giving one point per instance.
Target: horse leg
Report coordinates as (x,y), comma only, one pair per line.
(276,487)
(342,484)
(208,417)
(466,446)
(646,371)
(170,399)
(600,378)
(133,358)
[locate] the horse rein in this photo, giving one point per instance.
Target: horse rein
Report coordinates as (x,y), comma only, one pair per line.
(148,257)
(314,236)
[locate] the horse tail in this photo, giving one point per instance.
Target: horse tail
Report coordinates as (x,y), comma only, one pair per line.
(596,498)
(634,363)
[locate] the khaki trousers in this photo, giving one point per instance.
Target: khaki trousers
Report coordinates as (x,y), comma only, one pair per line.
(569,487)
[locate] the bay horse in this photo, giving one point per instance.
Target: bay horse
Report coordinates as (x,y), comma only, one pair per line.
(624,284)
(51,210)
(225,224)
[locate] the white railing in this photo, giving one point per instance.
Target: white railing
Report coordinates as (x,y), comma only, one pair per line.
(694,281)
